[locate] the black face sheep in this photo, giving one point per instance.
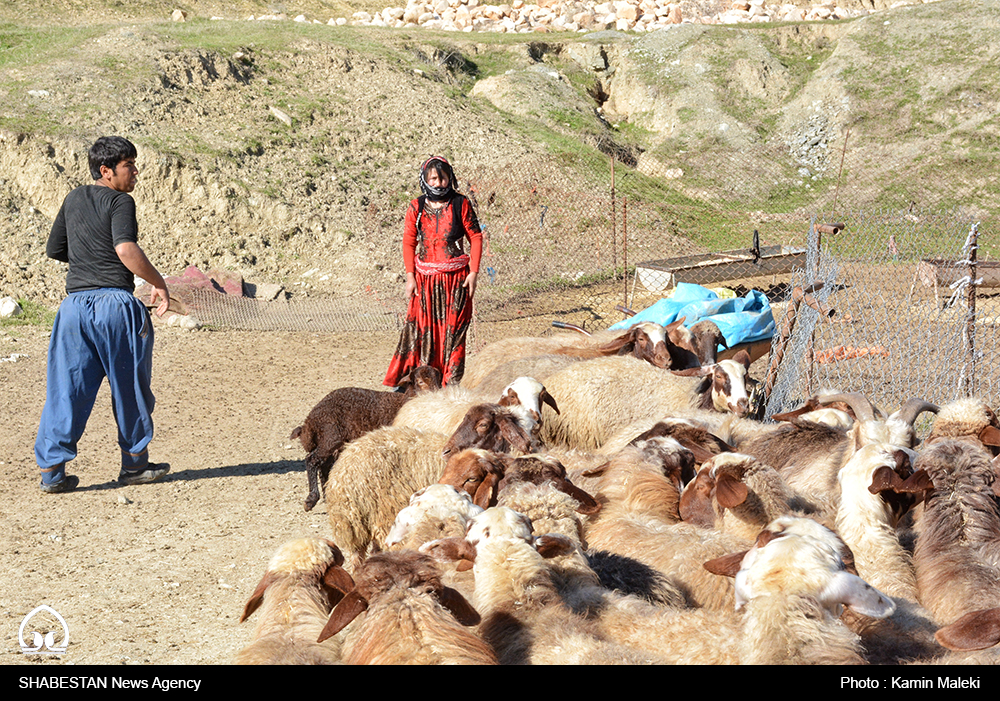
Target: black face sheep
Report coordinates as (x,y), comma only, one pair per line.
(303,582)
(348,413)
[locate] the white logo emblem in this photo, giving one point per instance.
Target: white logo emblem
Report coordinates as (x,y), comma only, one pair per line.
(43,645)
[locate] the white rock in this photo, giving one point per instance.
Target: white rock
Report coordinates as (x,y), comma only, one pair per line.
(281,116)
(9,308)
(178,16)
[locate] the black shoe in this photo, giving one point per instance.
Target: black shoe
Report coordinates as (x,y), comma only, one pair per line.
(67,484)
(152,472)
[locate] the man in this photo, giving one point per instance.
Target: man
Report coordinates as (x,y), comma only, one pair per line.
(101,329)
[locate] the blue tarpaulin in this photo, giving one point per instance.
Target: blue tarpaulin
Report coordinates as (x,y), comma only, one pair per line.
(741,320)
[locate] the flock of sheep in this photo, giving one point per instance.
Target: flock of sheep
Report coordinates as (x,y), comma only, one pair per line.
(605,500)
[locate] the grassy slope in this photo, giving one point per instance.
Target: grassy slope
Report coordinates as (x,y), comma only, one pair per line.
(922,122)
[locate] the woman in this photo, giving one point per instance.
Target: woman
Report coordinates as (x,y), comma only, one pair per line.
(440,276)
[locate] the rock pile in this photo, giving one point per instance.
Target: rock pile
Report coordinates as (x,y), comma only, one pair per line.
(575,15)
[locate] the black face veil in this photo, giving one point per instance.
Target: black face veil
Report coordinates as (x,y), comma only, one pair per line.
(442,167)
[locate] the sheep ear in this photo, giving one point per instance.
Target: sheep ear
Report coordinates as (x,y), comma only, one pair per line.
(349,608)
(973,631)
(553,545)
(620,345)
(858,595)
(548,399)
(588,504)
(257,598)
(486,492)
(729,491)
(727,565)
(337,578)
(990,436)
(597,471)
(459,606)
(451,550)
(512,432)
(744,358)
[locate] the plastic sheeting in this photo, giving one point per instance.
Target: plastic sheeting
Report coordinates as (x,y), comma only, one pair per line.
(740,319)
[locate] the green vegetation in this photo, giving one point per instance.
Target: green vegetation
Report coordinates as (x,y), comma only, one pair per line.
(33,314)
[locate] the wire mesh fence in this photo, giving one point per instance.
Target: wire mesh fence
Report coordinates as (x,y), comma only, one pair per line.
(906,307)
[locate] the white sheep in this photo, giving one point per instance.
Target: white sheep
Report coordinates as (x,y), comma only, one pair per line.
(524,616)
(303,580)
(599,397)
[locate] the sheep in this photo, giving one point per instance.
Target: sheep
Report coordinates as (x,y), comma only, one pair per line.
(348,413)
(647,341)
(524,617)
(877,490)
(436,511)
(737,494)
(598,397)
(538,366)
(447,410)
(410,617)
(790,587)
(303,581)
(377,473)
(957,553)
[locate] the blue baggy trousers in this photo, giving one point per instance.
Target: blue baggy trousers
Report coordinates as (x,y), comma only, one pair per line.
(97,334)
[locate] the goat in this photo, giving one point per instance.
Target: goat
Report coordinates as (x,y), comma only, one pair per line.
(809,455)
(302,583)
(348,413)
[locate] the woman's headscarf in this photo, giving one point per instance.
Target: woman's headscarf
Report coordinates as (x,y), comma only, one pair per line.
(441,165)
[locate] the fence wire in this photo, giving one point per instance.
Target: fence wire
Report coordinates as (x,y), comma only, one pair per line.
(900,326)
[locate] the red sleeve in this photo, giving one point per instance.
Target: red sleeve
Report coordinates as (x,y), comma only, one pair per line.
(475,234)
(410,237)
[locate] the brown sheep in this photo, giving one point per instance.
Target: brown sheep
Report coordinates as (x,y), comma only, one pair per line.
(348,413)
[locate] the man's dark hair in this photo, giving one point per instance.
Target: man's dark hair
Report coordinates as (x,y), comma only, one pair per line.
(109,151)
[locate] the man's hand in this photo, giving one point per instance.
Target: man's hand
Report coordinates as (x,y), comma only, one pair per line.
(136,261)
(163,295)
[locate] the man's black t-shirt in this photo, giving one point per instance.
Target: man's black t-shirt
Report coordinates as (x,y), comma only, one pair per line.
(93,220)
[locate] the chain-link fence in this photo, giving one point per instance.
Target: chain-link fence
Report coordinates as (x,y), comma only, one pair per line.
(902,305)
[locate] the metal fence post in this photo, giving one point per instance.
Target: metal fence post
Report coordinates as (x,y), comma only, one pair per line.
(972,244)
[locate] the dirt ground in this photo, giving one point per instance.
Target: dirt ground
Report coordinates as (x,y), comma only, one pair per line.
(159,574)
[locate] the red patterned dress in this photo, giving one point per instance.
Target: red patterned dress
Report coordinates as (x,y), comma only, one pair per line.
(438,315)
